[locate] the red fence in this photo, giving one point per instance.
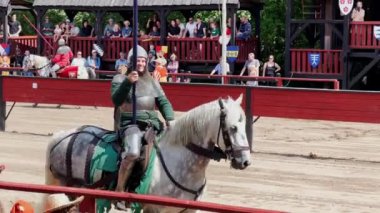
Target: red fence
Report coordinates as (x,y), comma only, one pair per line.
(24,43)
(275,102)
(166,201)
(330,62)
(362,35)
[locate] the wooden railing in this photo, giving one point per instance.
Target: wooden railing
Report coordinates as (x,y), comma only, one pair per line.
(330,62)
(362,35)
(24,43)
(113,46)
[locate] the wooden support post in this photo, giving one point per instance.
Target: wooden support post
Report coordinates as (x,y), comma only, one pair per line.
(249,116)
(287,37)
(345,55)
(39,19)
(2,106)
(5,28)
(99,14)
(163,31)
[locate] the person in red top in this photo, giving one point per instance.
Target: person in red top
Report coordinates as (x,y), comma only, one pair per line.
(62,58)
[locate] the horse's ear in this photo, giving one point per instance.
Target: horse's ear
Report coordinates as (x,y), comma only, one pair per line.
(239,100)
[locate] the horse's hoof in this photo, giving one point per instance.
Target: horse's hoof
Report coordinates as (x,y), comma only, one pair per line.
(121,205)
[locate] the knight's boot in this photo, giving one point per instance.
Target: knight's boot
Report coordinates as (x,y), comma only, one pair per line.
(53,70)
(125,171)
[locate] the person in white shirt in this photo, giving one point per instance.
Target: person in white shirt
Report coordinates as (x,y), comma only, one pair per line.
(190,28)
(182,27)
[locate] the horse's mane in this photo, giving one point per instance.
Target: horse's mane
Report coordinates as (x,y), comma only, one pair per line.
(192,123)
(39,61)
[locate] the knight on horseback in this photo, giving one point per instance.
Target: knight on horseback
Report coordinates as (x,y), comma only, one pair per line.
(148,95)
(62,57)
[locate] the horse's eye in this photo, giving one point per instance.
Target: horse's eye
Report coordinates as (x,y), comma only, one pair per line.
(234,129)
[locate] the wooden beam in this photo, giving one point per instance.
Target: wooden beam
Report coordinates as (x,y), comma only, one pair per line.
(298,31)
(287,37)
(3,106)
(346,49)
(364,71)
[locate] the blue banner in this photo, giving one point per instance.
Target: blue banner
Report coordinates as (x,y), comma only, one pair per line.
(232,53)
(314,59)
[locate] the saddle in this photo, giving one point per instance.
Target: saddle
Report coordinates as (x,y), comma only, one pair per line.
(68,72)
(139,168)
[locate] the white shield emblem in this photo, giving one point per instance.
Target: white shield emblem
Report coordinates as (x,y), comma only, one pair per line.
(376,32)
(345,6)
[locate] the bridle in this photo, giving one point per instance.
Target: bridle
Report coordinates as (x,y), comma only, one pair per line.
(216,153)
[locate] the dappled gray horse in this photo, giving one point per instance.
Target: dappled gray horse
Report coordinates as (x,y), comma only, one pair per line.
(215,130)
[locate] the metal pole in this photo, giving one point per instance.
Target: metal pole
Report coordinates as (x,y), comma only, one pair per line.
(224,37)
(134,62)
(2,106)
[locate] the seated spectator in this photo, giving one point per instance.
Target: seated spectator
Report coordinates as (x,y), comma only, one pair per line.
(74,30)
(154,32)
(173,30)
(60,203)
(109,27)
(21,206)
(57,32)
(215,31)
(152,50)
(173,66)
(160,55)
(116,32)
(160,72)
(181,27)
(14,27)
(127,30)
(190,28)
(200,29)
(27,65)
(245,29)
(5,62)
(150,62)
(143,35)
(87,30)
(121,65)
(47,27)
(153,21)
(93,61)
(16,60)
(79,60)
(108,34)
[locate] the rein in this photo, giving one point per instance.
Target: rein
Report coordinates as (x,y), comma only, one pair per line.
(191,191)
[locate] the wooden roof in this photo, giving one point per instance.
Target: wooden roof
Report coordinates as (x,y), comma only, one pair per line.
(4,3)
(16,3)
(126,3)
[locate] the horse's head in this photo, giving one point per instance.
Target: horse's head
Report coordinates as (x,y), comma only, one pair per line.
(231,136)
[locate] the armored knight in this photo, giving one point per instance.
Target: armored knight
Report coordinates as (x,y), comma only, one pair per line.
(148,95)
(62,57)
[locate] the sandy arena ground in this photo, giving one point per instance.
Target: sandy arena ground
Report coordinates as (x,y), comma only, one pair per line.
(344,176)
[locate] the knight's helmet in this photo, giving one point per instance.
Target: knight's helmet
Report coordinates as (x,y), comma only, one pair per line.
(141,52)
(61,42)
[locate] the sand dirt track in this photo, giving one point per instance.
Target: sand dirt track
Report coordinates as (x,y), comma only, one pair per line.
(344,178)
